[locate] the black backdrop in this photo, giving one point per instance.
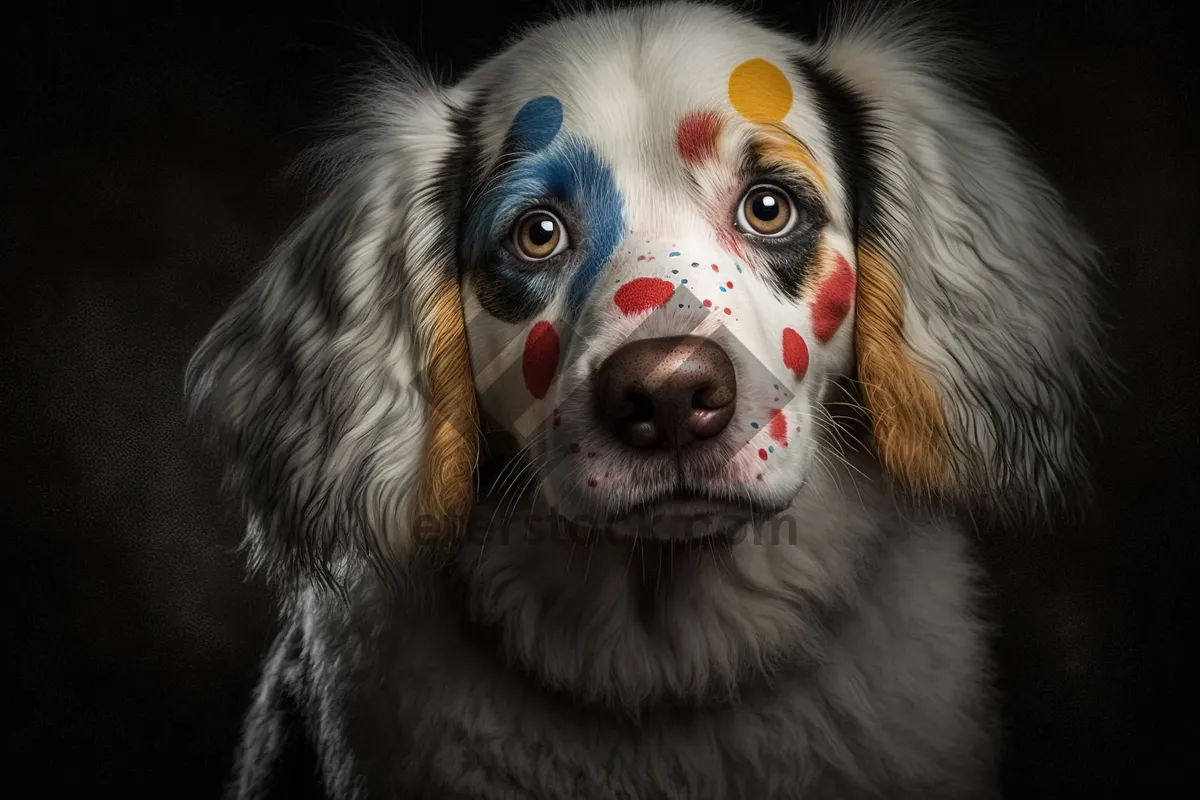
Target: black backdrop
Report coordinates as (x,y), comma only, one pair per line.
(144,173)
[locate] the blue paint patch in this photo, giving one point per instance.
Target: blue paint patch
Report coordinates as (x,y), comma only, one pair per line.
(722,288)
(754,425)
(570,172)
(673,254)
(684,280)
(770,449)
(602,209)
(739,266)
(537,123)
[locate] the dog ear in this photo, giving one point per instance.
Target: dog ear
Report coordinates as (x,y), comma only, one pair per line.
(338,385)
(976,322)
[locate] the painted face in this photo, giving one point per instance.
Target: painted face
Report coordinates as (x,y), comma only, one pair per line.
(659,292)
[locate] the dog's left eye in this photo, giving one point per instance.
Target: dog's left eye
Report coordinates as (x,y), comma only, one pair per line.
(766,210)
(539,235)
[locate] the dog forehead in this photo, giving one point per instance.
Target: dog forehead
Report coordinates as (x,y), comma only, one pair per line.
(624,82)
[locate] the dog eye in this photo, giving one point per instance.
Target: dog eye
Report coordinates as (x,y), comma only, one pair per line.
(766,211)
(539,235)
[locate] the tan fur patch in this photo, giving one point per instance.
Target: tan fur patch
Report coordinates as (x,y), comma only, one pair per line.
(776,146)
(447,486)
(908,420)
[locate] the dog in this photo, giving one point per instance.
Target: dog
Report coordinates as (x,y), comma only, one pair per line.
(607,427)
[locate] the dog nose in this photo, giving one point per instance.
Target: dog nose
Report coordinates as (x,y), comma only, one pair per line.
(666,393)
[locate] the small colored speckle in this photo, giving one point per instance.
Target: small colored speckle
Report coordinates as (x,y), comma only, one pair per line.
(739,266)
(684,280)
(729,284)
(674,272)
(754,425)
(722,288)
(641,258)
(771,449)
(762,454)
(695,264)
(716,268)
(674,254)
(592,482)
(651,258)
(727,311)
(708,303)
(681,305)
(760,476)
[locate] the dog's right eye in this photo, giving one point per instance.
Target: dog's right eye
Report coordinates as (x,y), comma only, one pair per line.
(539,235)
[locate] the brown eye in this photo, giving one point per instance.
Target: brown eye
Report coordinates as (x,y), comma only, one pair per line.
(766,211)
(539,235)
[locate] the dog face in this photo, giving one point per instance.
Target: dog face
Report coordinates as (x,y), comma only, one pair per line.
(648,243)
(658,271)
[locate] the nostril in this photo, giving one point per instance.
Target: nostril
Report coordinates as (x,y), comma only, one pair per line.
(641,407)
(712,396)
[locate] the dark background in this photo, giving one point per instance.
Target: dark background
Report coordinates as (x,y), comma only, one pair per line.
(144,173)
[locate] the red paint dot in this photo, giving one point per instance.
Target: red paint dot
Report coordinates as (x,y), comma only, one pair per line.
(762,454)
(777,427)
(727,311)
(728,284)
(643,294)
(795,353)
(716,268)
(592,482)
(834,300)
(708,303)
(696,139)
(641,258)
(540,361)
(574,448)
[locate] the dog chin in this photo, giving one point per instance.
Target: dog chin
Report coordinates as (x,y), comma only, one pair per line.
(680,517)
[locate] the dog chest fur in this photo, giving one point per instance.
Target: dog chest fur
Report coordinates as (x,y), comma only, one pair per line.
(899,704)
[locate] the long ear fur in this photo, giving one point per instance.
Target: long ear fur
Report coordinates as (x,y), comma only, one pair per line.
(338,385)
(976,318)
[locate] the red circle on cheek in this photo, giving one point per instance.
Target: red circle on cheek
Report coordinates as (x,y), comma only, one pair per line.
(795,353)
(643,294)
(539,364)
(834,300)
(777,428)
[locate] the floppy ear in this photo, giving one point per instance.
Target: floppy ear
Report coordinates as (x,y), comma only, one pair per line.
(976,315)
(338,384)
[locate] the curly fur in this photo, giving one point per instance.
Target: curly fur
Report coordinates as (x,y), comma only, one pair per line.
(833,648)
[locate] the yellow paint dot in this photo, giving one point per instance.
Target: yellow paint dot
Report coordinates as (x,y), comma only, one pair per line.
(760,91)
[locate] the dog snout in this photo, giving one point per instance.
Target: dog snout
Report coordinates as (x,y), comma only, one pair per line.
(667,393)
